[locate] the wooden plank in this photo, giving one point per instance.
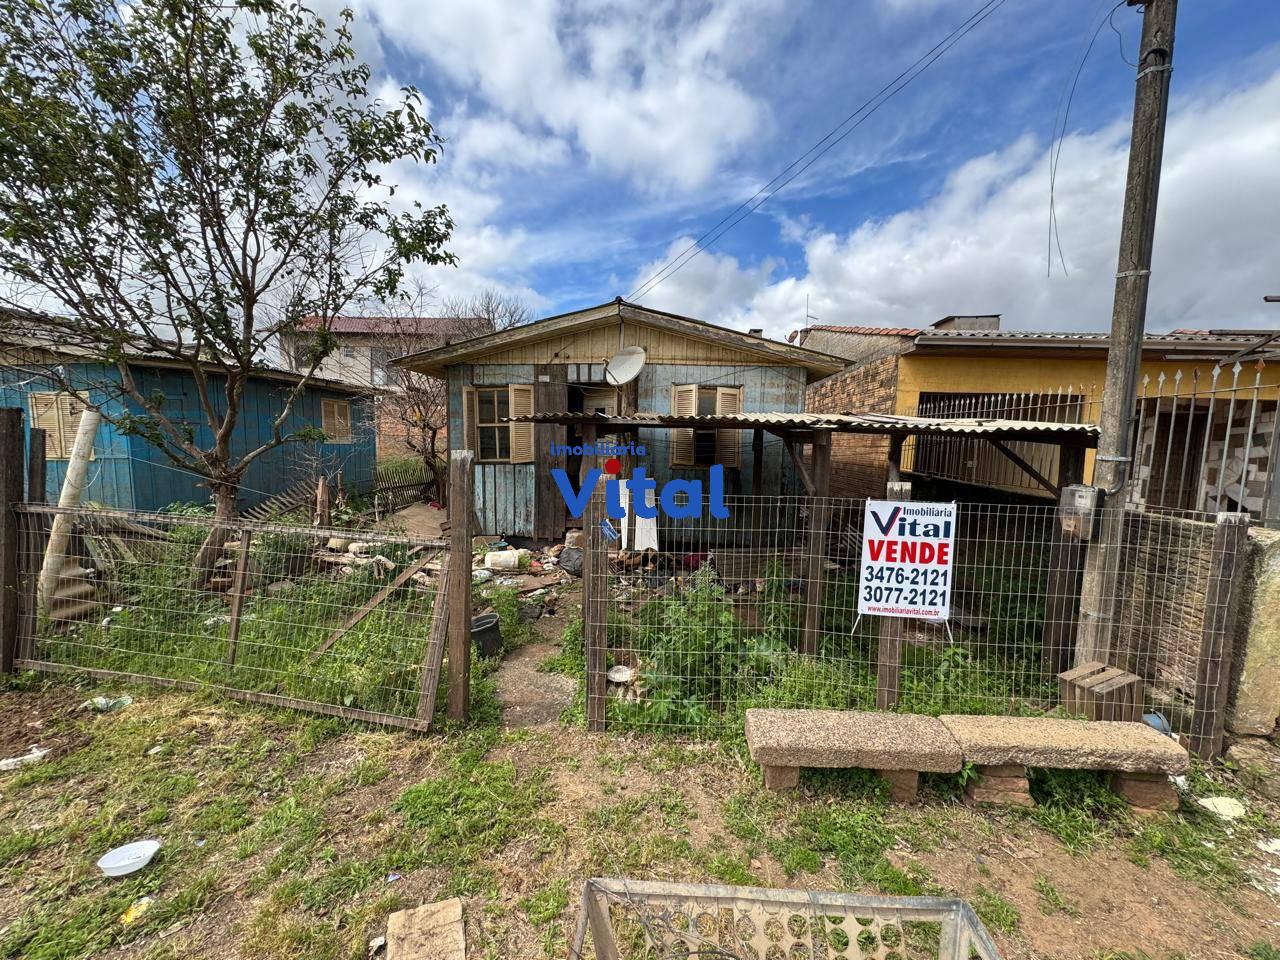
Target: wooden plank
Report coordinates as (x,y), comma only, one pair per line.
(371,604)
(433,931)
(1227,558)
(816,551)
(889,647)
(37,467)
(595,577)
(11,493)
(798,462)
(239,588)
(1013,457)
(433,656)
(550,392)
(461,463)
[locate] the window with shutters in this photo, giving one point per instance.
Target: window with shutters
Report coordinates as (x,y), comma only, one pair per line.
(335,417)
(58,415)
(489,434)
(704,448)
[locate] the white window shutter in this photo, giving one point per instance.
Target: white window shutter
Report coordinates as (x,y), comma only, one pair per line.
(521,405)
(728,442)
(45,415)
(684,403)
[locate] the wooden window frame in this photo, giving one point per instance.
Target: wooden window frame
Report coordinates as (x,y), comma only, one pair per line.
(684,440)
(327,405)
(64,416)
(519,436)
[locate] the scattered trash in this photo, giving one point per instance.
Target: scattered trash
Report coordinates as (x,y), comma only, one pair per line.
(1181,782)
(1158,722)
(136,910)
(1270,846)
(573,539)
(1226,808)
(392,877)
(200,842)
(377,945)
(502,560)
(621,673)
(158,748)
(106,704)
(35,755)
(128,859)
(217,618)
(480,576)
(571,560)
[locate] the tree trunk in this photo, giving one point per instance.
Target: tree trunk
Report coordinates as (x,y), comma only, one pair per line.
(205,565)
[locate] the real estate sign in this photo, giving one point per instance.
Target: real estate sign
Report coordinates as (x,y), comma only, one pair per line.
(908,552)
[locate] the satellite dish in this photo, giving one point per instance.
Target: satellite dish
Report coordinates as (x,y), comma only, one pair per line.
(624,366)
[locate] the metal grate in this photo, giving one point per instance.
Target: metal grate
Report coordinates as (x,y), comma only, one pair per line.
(631,919)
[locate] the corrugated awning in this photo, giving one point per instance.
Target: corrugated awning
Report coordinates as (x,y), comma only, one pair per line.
(1084,434)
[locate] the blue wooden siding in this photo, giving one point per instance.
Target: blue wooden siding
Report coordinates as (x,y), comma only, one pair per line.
(129,473)
(504,492)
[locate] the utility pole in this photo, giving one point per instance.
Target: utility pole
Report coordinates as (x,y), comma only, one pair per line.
(1112,467)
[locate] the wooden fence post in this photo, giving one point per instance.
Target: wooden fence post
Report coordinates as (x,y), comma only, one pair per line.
(889,648)
(239,587)
(595,582)
(816,549)
(460,497)
(1062,589)
(37,468)
(11,492)
(1227,561)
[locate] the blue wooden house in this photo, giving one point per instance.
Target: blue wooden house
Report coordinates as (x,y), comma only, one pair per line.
(558,364)
(128,473)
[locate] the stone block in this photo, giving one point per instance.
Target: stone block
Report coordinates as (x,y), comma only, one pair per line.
(903,784)
(978,793)
(1065,744)
(433,931)
(846,738)
(1256,703)
(781,778)
(1149,793)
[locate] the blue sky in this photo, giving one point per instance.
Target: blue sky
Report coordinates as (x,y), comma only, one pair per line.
(589,141)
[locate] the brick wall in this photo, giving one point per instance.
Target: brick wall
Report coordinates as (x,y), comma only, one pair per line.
(393,434)
(859,464)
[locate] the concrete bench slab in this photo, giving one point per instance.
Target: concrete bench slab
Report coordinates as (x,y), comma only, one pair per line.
(843,738)
(1066,744)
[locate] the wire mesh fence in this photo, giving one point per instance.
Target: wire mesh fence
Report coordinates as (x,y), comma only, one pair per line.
(296,616)
(761,609)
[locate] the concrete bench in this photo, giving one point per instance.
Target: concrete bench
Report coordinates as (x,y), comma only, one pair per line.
(1139,758)
(898,746)
(901,746)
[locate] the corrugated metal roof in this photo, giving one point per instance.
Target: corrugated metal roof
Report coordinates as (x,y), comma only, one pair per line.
(414,326)
(1151,339)
(878,423)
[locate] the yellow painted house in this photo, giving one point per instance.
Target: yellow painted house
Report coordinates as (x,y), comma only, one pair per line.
(1205,416)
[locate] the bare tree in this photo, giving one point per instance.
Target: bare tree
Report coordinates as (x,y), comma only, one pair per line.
(421,403)
(185,180)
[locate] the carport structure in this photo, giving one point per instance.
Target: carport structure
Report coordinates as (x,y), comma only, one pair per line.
(796,430)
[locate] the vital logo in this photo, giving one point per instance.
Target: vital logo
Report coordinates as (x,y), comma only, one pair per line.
(669,499)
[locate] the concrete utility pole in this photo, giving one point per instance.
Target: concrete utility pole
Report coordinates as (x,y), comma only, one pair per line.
(1111,472)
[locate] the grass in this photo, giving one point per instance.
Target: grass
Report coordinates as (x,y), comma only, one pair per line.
(1050,900)
(995,911)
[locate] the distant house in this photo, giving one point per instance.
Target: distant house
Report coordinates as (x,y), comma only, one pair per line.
(557,365)
(129,473)
(366,347)
(1206,424)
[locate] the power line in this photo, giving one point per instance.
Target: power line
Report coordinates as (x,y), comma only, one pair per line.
(815,152)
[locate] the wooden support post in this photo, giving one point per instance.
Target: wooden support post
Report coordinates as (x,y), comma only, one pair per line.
(757,462)
(323,513)
(239,587)
(11,492)
(595,582)
(433,656)
(1062,589)
(460,502)
(1227,561)
(606,948)
(37,468)
(816,551)
(894,457)
(889,649)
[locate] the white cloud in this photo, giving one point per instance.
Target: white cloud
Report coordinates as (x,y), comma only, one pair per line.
(644,89)
(980,244)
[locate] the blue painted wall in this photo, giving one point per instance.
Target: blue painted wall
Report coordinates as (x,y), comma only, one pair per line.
(504,493)
(129,473)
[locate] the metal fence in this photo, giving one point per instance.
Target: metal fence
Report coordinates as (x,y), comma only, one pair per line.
(1204,439)
(287,615)
(761,609)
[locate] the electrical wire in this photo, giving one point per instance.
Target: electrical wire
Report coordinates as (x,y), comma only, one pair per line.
(815,152)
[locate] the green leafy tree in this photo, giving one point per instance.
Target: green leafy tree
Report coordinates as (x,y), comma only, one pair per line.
(187,180)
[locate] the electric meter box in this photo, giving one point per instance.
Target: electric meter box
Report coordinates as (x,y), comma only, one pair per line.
(1079,510)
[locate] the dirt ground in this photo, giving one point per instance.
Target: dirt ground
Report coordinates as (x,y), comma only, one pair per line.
(288,836)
